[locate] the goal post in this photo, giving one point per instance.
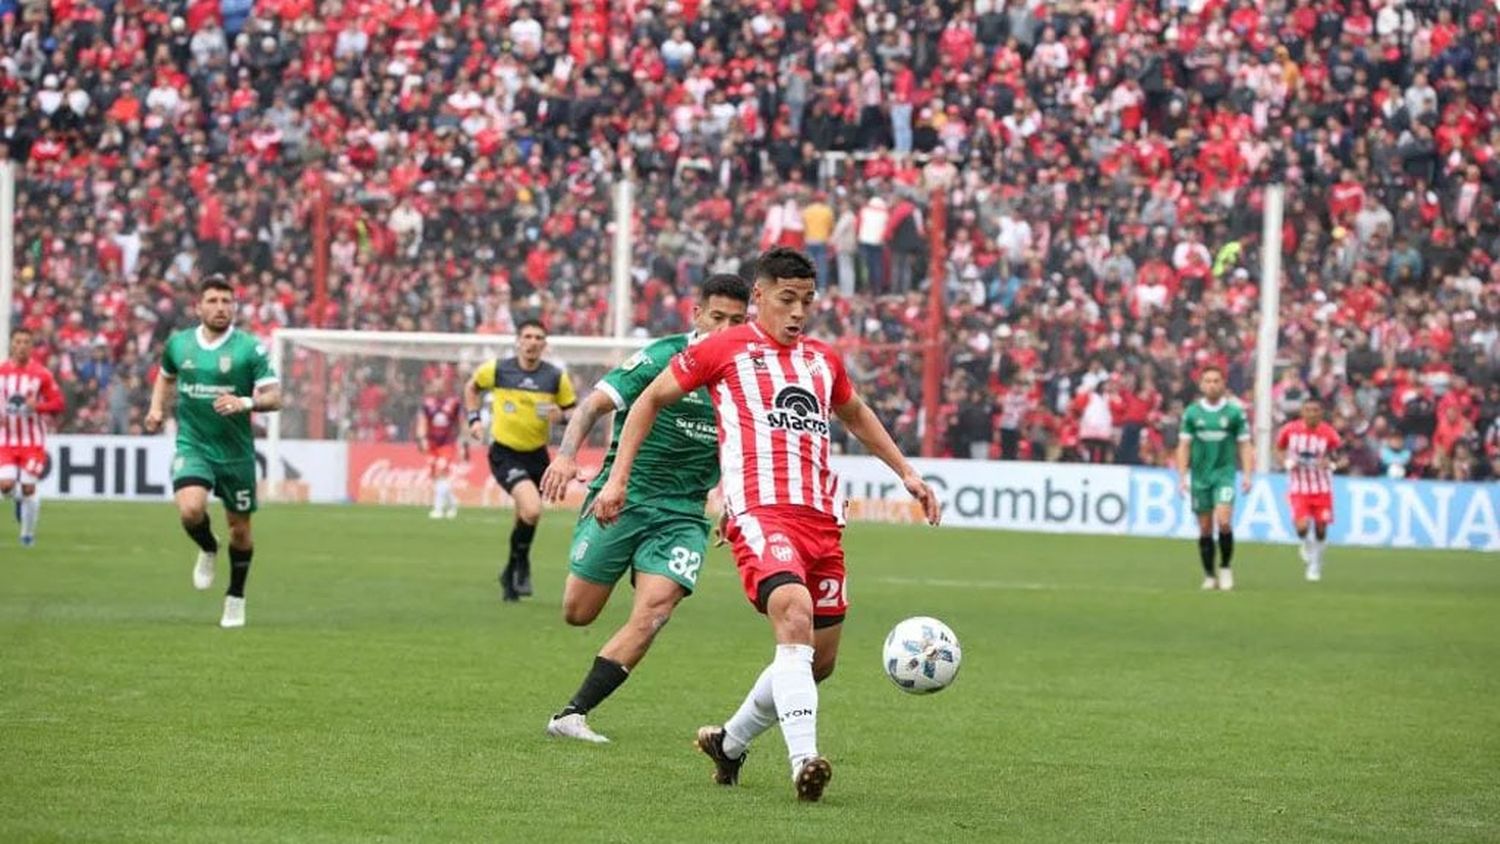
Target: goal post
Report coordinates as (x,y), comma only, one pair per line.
(373,382)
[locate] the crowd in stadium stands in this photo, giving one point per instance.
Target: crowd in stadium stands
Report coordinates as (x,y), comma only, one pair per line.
(1104,164)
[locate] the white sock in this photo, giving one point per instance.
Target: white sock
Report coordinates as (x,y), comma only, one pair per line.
(796,701)
(1308,543)
(31,508)
(1317,551)
(440,493)
(756,715)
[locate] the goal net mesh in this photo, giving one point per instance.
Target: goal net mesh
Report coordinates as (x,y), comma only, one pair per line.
(366,389)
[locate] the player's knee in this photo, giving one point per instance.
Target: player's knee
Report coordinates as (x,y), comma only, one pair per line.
(28,490)
(191,514)
(239,534)
(6,487)
(823,667)
(579,613)
(793,623)
(529,513)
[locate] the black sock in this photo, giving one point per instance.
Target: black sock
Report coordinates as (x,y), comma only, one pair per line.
(520,543)
(239,569)
(1226,547)
(603,678)
(203,534)
(1206,554)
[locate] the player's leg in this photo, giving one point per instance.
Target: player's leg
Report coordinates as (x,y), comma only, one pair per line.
(508,473)
(655,598)
(1302,524)
(9,475)
(597,559)
(1203,508)
(435,474)
(237,489)
(665,551)
(1224,517)
(1322,516)
(192,478)
(528,500)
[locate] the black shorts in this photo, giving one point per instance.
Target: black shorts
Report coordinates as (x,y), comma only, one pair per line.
(510,467)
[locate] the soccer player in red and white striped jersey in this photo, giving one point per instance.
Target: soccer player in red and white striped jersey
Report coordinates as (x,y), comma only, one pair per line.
(28,392)
(775,392)
(1308,445)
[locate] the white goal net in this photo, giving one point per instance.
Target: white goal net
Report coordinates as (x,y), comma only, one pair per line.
(365,388)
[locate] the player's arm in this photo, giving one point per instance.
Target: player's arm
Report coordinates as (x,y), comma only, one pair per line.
(166,383)
(265,391)
(49,398)
(862,422)
(421,431)
(1184,457)
(564,465)
(1278,450)
(482,380)
(663,391)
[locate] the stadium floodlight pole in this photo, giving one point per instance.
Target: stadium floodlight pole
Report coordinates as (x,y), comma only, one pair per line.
(619,300)
(7,248)
(934,355)
(1270,323)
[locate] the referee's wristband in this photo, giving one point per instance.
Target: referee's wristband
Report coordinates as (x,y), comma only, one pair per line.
(249,403)
(474,416)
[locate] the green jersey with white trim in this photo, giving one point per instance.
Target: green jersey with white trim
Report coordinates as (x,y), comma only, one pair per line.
(679,461)
(1214,433)
(237,363)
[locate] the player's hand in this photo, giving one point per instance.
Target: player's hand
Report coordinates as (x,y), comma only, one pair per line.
(1245,482)
(608,503)
(721,530)
(555,480)
(229,404)
(1182,485)
(153,420)
(919,490)
(476,430)
(555,415)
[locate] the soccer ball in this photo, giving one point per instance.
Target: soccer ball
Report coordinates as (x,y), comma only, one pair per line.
(921,655)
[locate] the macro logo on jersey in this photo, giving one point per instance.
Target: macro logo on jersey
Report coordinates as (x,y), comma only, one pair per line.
(797,409)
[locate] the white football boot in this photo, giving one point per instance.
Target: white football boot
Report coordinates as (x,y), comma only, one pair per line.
(203,570)
(574,726)
(1226,580)
(1209,584)
(234,613)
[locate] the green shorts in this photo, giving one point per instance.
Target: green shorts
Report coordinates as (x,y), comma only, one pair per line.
(233,482)
(1218,492)
(644,539)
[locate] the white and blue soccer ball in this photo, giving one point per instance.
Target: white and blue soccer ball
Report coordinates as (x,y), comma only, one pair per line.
(922,655)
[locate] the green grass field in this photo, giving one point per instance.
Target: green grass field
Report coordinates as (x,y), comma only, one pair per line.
(382,692)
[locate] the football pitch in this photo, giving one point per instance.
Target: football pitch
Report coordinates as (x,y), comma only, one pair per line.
(381,692)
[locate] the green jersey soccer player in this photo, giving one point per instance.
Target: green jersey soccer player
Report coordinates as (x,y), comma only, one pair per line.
(220,376)
(661,537)
(1214,432)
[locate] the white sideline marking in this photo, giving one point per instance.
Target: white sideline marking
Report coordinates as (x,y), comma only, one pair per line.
(1016,586)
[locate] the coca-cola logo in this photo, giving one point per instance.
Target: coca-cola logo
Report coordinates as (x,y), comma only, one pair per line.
(383,473)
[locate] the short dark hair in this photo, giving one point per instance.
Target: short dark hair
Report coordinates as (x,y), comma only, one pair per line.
(215,281)
(783,262)
(728,285)
(21,329)
(530,322)
(1211,368)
